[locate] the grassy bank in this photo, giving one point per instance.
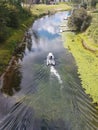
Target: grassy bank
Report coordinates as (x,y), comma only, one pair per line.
(84,47)
(7,48)
(90,36)
(87,63)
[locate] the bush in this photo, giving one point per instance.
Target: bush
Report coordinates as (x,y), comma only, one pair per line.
(93,3)
(13,19)
(3,35)
(84,5)
(3,19)
(86,23)
(24,13)
(11,16)
(79,20)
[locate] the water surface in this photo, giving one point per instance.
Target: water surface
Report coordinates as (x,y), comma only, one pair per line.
(46,97)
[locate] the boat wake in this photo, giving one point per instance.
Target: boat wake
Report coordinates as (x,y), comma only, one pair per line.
(54,72)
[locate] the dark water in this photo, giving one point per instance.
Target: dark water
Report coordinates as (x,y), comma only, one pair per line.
(44,97)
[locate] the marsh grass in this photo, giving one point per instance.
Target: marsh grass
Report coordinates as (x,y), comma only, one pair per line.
(87,64)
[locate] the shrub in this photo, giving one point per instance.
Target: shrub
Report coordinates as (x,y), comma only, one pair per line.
(93,3)
(11,16)
(3,19)
(79,20)
(84,5)
(13,19)
(24,13)
(86,23)
(3,35)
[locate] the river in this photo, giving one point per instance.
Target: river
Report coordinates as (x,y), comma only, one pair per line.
(41,97)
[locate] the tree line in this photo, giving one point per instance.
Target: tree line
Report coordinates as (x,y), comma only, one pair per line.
(12,13)
(91,3)
(11,16)
(80,20)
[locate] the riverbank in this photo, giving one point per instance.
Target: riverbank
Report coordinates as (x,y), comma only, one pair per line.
(7,48)
(86,61)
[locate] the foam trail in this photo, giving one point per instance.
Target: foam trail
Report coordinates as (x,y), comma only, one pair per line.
(54,72)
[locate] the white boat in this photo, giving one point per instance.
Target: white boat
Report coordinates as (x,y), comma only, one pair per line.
(50,59)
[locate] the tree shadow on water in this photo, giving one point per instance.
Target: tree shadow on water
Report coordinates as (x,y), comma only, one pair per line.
(11,80)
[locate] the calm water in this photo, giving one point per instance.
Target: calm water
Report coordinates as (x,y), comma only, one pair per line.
(45,97)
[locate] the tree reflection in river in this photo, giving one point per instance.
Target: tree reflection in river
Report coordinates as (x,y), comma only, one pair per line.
(11,79)
(12,76)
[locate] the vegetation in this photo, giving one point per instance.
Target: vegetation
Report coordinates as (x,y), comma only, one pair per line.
(79,20)
(11,33)
(86,62)
(94,3)
(92,31)
(11,16)
(84,47)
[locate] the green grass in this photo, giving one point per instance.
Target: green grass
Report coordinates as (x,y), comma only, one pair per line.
(87,64)
(4,59)
(7,48)
(44,9)
(53,7)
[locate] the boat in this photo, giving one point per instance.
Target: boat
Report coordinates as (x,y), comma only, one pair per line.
(50,59)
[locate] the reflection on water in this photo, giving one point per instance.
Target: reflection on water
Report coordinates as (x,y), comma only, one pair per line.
(47,98)
(12,76)
(11,79)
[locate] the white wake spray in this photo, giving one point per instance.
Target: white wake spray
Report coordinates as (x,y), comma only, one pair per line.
(53,71)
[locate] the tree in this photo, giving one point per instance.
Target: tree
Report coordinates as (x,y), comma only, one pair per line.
(93,3)
(11,16)
(3,20)
(84,5)
(79,20)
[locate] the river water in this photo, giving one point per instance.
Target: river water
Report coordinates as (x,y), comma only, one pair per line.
(45,97)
